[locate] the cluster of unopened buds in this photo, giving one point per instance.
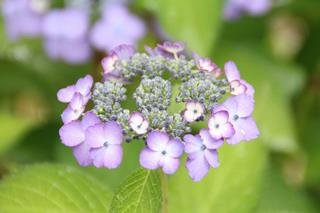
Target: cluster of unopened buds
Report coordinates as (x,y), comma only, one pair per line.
(168,80)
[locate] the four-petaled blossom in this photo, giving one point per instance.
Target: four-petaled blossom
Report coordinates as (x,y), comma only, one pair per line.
(138,123)
(65,33)
(105,141)
(161,151)
(202,154)
(205,64)
(193,112)
(117,26)
(219,125)
(173,48)
(77,95)
(240,109)
(23,17)
(237,85)
(73,135)
(121,52)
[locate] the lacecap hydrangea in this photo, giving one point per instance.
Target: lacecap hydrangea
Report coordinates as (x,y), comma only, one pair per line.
(216,97)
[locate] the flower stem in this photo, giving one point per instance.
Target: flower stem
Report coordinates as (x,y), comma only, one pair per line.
(164,187)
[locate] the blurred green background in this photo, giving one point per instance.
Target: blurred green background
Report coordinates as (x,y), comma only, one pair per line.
(278,53)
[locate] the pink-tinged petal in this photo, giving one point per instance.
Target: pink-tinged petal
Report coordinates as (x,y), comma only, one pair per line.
(215,133)
(192,143)
(89,119)
(70,114)
(157,141)
(209,141)
(248,128)
(212,158)
(108,63)
(245,105)
(72,134)
(136,118)
(113,133)
(227,130)
(65,95)
(81,153)
(149,159)
(83,85)
(175,148)
(231,71)
(113,156)
(169,165)
(237,88)
(189,116)
(197,168)
(77,102)
(219,108)
(95,136)
(221,117)
(190,105)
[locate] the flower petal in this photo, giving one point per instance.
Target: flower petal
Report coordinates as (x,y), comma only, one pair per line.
(169,165)
(212,158)
(149,159)
(157,141)
(69,114)
(231,105)
(231,71)
(113,133)
(65,94)
(83,85)
(175,148)
(209,141)
(95,136)
(227,130)
(245,105)
(81,153)
(248,128)
(77,102)
(197,168)
(89,119)
(221,117)
(109,157)
(72,134)
(192,143)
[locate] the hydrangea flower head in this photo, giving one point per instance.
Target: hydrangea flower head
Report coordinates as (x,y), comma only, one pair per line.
(117,26)
(65,32)
(164,133)
(23,17)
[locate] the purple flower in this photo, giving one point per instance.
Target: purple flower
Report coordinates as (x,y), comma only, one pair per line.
(167,49)
(237,85)
(65,33)
(240,109)
(219,125)
(138,124)
(73,135)
(117,26)
(23,17)
(77,96)
(235,8)
(193,112)
(105,141)
(161,151)
(205,64)
(121,52)
(202,154)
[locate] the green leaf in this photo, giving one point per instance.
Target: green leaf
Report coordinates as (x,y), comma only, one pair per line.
(275,84)
(196,23)
(278,197)
(233,187)
(53,188)
(140,192)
